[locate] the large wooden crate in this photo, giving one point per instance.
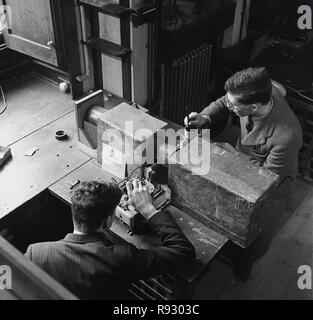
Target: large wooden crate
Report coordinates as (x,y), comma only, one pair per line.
(233,198)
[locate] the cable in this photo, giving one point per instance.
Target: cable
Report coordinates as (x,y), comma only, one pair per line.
(300,94)
(4,101)
(136,170)
(129,176)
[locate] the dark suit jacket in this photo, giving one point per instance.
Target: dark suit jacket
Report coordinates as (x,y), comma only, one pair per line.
(92,268)
(275,141)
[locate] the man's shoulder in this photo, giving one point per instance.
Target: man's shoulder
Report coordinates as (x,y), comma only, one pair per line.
(39,252)
(46,247)
(287,123)
(289,133)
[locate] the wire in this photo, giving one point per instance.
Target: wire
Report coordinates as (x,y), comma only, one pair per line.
(4,101)
(136,170)
(300,94)
(129,176)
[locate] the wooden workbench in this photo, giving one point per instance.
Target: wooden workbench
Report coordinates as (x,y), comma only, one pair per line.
(33,103)
(58,164)
(23,178)
(36,110)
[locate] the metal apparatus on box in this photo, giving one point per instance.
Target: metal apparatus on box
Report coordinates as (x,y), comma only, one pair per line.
(130,217)
(97,114)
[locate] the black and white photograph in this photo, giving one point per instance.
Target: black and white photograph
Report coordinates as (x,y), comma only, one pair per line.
(156,154)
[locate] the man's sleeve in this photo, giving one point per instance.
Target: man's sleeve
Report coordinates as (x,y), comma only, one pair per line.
(28,253)
(175,251)
(278,158)
(216,112)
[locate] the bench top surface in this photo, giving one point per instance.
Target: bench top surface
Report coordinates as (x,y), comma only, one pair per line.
(22,178)
(33,103)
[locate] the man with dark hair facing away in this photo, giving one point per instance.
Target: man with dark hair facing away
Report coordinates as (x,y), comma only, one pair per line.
(271,135)
(91,267)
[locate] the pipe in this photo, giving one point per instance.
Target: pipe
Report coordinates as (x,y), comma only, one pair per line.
(94,113)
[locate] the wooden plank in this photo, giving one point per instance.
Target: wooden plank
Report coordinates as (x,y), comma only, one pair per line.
(90,171)
(32,103)
(112,65)
(112,9)
(22,178)
(207,242)
(80,66)
(107,47)
(110,28)
(7,295)
(28,281)
(126,60)
(140,72)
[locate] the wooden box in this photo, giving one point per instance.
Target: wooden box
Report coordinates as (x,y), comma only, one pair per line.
(234,197)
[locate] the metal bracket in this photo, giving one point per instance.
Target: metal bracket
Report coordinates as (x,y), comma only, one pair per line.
(143,14)
(111,9)
(140,15)
(107,47)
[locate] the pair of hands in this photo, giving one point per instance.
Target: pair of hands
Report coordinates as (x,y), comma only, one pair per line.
(140,198)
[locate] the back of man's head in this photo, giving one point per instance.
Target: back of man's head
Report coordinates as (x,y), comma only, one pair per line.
(250,86)
(93,203)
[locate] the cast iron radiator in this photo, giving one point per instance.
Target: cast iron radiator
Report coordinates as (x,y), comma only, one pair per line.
(185,86)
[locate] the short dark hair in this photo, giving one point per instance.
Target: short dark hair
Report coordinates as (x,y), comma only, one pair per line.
(251,85)
(92,203)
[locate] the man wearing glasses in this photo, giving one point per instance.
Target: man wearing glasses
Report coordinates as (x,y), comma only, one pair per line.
(271,134)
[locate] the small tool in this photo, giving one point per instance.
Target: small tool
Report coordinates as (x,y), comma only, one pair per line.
(75,184)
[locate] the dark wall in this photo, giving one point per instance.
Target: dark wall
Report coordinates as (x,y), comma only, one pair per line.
(207,28)
(279,16)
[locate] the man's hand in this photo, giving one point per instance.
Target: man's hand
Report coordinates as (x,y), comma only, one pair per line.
(141,199)
(226,146)
(195,119)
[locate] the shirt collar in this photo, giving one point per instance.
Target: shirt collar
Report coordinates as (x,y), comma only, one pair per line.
(85,238)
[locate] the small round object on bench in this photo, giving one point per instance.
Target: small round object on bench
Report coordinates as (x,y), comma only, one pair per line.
(61,135)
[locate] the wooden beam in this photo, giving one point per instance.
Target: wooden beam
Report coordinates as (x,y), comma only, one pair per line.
(29,282)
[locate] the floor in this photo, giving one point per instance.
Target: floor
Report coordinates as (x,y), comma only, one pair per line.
(275,275)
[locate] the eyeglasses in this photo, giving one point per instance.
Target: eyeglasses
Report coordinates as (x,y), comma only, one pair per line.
(231,106)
